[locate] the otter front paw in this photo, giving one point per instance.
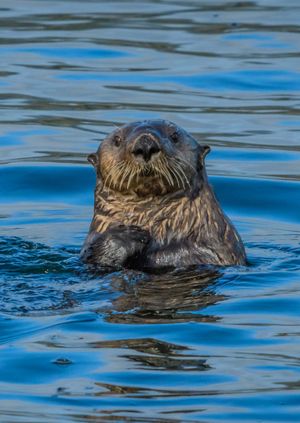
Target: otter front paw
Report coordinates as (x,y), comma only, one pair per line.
(118,245)
(132,239)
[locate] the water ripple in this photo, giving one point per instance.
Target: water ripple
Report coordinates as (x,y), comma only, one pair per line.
(202,344)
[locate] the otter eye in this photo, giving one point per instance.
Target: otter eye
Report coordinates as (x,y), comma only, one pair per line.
(175,136)
(117,140)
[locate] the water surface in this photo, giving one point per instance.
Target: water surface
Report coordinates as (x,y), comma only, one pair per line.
(201,346)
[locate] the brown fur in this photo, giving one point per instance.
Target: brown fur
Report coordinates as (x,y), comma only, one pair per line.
(172,208)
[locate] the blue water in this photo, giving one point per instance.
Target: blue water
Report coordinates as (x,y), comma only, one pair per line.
(213,346)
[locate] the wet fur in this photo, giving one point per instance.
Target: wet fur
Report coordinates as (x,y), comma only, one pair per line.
(167,203)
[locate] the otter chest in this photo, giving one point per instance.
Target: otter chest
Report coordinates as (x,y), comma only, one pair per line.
(165,222)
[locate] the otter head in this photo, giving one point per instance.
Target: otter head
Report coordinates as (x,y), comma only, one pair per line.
(153,157)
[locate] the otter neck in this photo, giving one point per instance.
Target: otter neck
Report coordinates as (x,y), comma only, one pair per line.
(103,194)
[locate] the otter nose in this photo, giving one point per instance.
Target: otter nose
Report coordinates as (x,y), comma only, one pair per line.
(145,147)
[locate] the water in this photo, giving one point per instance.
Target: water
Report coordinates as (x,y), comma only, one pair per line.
(216,346)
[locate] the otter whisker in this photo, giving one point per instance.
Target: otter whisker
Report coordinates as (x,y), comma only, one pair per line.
(163,170)
(172,165)
(108,176)
(168,172)
(113,174)
(138,172)
(175,177)
(177,170)
(156,169)
(185,162)
(126,173)
(131,176)
(183,175)
(182,184)
(118,174)
(181,171)
(159,169)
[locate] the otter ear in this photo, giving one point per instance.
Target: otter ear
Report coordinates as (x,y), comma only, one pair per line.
(205,150)
(93,159)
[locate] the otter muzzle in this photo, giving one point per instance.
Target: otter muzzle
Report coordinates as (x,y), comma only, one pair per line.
(145,147)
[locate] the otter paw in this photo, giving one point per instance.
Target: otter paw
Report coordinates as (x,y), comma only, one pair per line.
(137,234)
(134,237)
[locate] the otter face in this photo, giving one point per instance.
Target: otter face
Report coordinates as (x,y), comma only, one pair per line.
(150,157)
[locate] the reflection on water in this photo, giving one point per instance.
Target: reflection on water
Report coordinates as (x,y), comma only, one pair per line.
(148,299)
(201,344)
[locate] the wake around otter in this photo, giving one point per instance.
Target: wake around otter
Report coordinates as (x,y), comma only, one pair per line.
(153,205)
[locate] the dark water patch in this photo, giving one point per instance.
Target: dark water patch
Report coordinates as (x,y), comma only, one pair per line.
(264,196)
(37,278)
(29,182)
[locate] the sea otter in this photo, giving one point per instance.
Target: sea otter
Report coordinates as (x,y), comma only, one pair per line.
(153,206)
